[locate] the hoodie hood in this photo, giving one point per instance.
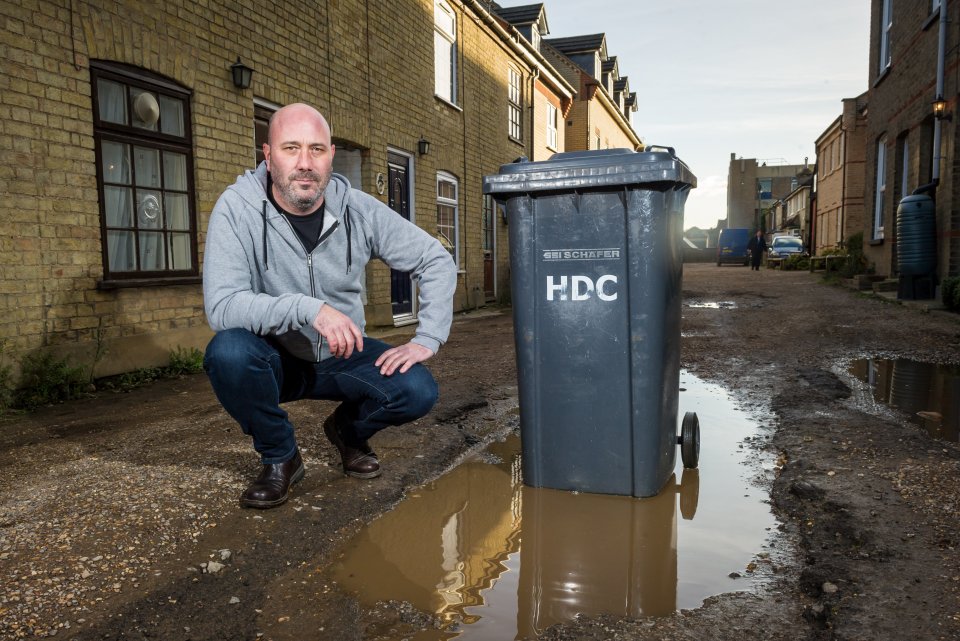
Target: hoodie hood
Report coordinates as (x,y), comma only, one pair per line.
(252,188)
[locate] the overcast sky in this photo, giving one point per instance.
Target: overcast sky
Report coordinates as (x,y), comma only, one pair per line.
(759,78)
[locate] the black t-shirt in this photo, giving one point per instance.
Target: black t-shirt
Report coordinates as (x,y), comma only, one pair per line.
(308,227)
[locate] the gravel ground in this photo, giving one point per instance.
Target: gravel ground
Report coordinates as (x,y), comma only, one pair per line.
(119,516)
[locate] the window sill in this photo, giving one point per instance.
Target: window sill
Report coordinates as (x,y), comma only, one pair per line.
(516,140)
(126,283)
(447,102)
(876,242)
(932,18)
(883,74)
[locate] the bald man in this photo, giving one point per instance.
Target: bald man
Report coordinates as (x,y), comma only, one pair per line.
(285,254)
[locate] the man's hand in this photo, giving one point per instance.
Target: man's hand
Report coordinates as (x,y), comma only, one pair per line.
(403,357)
(341,333)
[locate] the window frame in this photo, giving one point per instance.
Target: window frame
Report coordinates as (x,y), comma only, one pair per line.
(879,195)
(514,104)
(454,204)
(262,113)
(765,194)
(133,137)
(886,25)
(447,93)
(553,135)
(487,225)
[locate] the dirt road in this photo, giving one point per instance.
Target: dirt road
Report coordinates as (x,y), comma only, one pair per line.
(119,516)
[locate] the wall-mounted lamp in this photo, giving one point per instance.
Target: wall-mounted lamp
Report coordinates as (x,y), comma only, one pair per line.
(423,146)
(242,74)
(940,109)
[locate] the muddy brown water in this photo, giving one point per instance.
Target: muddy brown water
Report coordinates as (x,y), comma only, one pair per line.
(928,393)
(493,558)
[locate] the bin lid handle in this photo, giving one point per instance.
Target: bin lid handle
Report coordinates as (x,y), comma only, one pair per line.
(669,150)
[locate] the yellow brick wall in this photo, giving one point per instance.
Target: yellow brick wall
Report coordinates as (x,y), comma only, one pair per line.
(607,127)
(840,178)
(368,68)
(577,130)
(484,146)
(830,179)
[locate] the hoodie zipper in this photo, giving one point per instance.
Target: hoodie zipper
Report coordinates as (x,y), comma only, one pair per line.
(313,290)
(313,285)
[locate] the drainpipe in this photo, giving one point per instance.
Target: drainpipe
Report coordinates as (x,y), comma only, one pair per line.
(937,125)
(533,92)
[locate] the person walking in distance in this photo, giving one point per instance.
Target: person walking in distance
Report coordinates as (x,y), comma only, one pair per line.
(285,254)
(756,247)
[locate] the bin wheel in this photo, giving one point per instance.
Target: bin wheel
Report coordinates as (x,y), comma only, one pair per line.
(689,440)
(689,492)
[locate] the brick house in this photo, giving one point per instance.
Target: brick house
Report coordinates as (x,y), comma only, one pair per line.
(840,177)
(601,115)
(793,212)
(552,94)
(913,63)
(122,126)
(753,187)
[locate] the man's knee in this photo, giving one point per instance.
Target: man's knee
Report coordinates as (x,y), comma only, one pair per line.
(420,391)
(235,350)
(230,345)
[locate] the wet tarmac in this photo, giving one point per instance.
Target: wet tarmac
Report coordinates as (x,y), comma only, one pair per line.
(495,559)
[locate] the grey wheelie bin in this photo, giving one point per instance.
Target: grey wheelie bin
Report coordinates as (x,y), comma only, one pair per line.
(596,265)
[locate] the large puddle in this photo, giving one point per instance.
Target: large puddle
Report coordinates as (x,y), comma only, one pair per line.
(495,559)
(929,394)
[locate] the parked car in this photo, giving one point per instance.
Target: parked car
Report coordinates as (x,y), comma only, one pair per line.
(785,246)
(732,246)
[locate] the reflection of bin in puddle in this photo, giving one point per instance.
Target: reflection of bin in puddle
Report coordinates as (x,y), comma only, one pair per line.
(596,554)
(453,548)
(596,265)
(911,384)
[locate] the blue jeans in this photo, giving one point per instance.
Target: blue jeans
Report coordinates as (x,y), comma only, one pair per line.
(252,376)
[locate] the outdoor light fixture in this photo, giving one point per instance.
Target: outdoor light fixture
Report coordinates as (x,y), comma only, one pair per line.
(423,146)
(242,74)
(940,109)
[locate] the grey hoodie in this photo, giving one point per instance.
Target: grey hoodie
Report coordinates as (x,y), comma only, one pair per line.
(257,275)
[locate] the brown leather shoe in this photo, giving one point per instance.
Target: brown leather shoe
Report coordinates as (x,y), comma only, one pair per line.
(359,461)
(272,487)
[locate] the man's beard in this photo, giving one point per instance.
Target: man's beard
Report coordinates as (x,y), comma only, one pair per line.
(304,201)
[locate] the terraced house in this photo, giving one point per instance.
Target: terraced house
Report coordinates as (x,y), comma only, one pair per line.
(123,121)
(911,133)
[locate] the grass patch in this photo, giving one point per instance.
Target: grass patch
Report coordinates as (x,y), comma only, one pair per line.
(950,293)
(45,379)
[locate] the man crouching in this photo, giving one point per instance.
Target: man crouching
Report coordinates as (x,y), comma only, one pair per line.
(286,249)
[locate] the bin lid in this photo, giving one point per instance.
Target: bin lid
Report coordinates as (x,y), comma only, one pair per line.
(586,169)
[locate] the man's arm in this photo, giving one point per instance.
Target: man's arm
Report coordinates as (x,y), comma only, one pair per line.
(228,294)
(408,248)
